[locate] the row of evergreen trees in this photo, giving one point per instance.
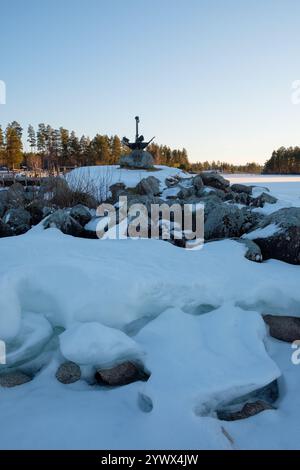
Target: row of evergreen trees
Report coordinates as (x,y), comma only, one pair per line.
(226,167)
(284,161)
(52,149)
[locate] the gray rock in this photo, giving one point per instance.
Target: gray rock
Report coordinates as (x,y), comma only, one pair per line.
(116,190)
(5,230)
(198,184)
(81,213)
(36,210)
(3,202)
(186,192)
(241,198)
(16,196)
(19,220)
(149,186)
(62,220)
(248,410)
(243,407)
(261,200)
(241,188)
(68,373)
(284,328)
(12,379)
(215,180)
(137,159)
(253,252)
(283,244)
(172,181)
(227,221)
(122,374)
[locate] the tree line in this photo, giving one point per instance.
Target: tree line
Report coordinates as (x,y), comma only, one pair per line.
(52,149)
(226,167)
(284,161)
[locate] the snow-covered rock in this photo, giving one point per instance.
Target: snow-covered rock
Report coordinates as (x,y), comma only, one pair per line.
(94,344)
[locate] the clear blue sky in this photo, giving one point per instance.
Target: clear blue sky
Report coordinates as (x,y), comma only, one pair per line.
(213,76)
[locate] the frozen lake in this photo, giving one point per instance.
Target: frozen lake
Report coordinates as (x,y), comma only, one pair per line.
(285,188)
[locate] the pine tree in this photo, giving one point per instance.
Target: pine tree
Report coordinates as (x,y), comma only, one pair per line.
(31,139)
(116,150)
(13,151)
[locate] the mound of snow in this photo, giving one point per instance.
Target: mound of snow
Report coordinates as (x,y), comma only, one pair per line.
(97,345)
(209,359)
(107,175)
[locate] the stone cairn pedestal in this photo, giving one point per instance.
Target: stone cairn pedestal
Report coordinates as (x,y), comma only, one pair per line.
(139,158)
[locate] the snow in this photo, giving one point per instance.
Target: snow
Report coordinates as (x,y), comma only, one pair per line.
(265,232)
(111,174)
(94,344)
(192,318)
(285,188)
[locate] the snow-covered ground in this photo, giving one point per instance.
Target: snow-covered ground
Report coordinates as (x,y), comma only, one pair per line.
(193,318)
(285,188)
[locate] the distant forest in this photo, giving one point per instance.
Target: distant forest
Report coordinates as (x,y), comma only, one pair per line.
(284,161)
(55,149)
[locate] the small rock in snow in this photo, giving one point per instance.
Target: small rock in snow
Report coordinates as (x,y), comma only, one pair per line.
(68,373)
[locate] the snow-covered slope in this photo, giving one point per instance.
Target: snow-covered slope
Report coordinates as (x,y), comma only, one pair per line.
(158,295)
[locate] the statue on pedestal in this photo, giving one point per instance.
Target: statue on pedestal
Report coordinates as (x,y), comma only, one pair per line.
(138,158)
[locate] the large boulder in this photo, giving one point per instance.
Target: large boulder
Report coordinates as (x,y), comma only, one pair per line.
(137,159)
(68,373)
(5,230)
(227,221)
(81,213)
(198,183)
(283,328)
(116,190)
(263,199)
(38,210)
(121,374)
(149,186)
(13,379)
(3,202)
(16,196)
(241,188)
(278,235)
(215,180)
(62,220)
(18,219)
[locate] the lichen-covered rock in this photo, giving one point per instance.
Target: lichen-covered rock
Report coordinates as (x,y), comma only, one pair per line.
(68,373)
(13,379)
(284,328)
(122,374)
